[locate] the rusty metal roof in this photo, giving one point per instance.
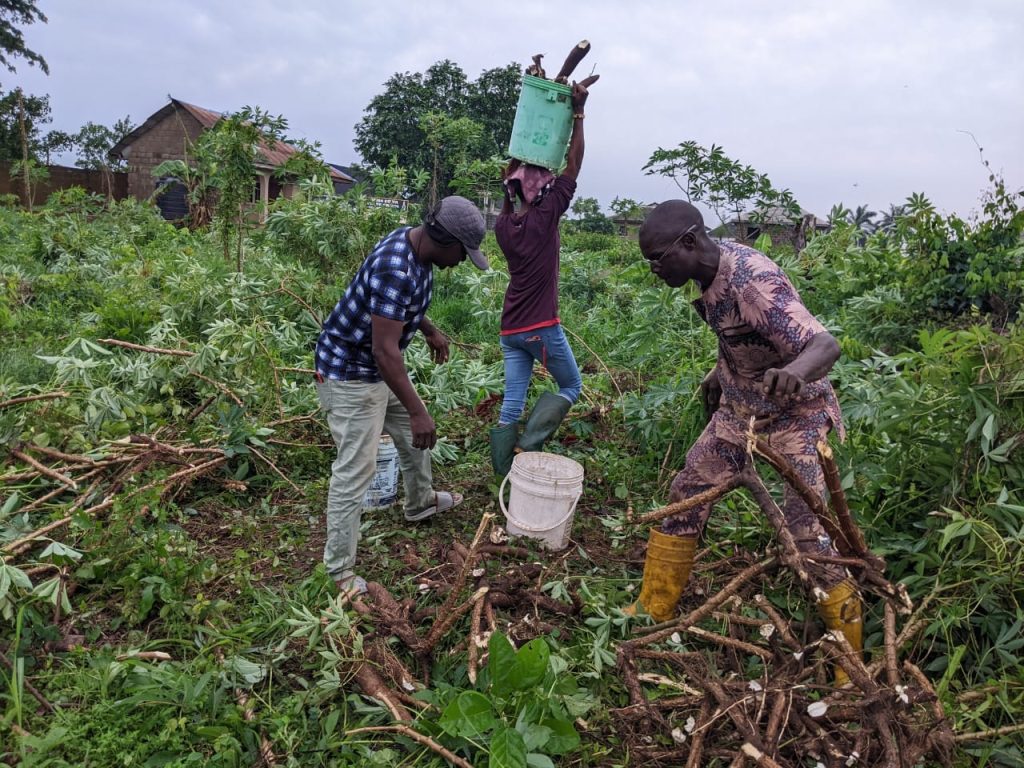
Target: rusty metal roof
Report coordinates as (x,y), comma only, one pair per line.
(274,154)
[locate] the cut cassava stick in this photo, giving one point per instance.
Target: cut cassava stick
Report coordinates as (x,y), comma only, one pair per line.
(851,531)
(697,745)
(705,497)
(475,636)
(572,61)
(438,630)
(666,629)
(785,468)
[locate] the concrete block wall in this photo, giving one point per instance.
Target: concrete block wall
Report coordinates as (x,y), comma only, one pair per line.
(167,140)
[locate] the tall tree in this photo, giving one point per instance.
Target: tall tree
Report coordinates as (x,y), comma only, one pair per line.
(729,188)
(36,113)
(491,102)
(452,142)
(12,41)
(393,124)
(590,218)
(94,142)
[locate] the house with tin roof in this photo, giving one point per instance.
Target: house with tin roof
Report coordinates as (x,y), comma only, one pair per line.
(167,135)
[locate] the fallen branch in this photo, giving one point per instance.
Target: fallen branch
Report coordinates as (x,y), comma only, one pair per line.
(20,545)
(34,398)
(28,686)
(709,607)
(791,556)
(44,470)
(729,642)
(281,474)
(415,736)
(474,634)
(53,453)
(994,733)
(596,356)
(222,387)
(142,348)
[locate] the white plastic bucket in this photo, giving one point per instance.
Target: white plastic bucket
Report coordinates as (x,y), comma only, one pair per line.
(383,490)
(545,490)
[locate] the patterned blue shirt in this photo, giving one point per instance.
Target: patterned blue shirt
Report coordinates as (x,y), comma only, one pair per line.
(391,283)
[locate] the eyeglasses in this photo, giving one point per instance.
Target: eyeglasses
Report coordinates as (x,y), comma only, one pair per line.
(671,245)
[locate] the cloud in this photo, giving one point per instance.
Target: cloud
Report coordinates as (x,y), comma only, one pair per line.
(819,96)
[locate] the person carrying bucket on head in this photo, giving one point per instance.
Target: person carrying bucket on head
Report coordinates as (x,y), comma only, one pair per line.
(527,233)
(362,382)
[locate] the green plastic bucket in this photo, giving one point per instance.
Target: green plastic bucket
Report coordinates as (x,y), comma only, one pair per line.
(540,133)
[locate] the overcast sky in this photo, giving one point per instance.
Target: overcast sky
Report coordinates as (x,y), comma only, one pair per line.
(860,101)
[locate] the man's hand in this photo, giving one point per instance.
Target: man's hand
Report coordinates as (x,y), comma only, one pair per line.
(710,393)
(780,382)
(424,432)
(438,344)
(580,93)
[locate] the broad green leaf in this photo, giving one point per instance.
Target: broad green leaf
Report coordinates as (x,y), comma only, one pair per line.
(563,738)
(990,428)
(249,671)
(507,750)
(501,664)
(60,553)
(537,760)
(146,600)
(10,504)
(470,715)
(532,663)
(535,736)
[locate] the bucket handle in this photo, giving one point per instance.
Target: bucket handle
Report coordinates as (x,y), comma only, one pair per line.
(504,510)
(501,496)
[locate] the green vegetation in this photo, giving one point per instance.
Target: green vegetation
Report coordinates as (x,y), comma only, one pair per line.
(220,577)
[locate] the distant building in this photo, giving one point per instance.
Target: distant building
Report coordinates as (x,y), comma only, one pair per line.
(348,178)
(167,135)
(778,224)
(628,224)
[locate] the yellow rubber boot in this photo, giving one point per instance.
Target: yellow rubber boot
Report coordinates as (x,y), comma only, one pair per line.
(842,610)
(666,571)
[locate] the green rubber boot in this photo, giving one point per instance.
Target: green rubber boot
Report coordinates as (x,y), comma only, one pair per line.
(503,446)
(547,415)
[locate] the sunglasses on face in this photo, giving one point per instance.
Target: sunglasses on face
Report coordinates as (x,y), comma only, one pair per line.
(660,256)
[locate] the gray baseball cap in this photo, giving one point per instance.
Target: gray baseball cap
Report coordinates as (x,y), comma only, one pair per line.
(461,219)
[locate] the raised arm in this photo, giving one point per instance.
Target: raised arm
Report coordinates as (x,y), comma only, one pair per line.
(574,158)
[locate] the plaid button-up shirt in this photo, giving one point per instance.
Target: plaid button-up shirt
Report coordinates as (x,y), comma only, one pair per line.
(391,283)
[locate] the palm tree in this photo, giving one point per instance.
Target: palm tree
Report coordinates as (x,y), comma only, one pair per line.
(864,219)
(889,218)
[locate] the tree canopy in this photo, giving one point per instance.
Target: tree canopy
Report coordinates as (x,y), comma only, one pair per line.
(12,41)
(412,120)
(37,114)
(730,188)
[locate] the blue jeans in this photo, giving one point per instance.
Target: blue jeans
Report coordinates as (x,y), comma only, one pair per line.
(548,346)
